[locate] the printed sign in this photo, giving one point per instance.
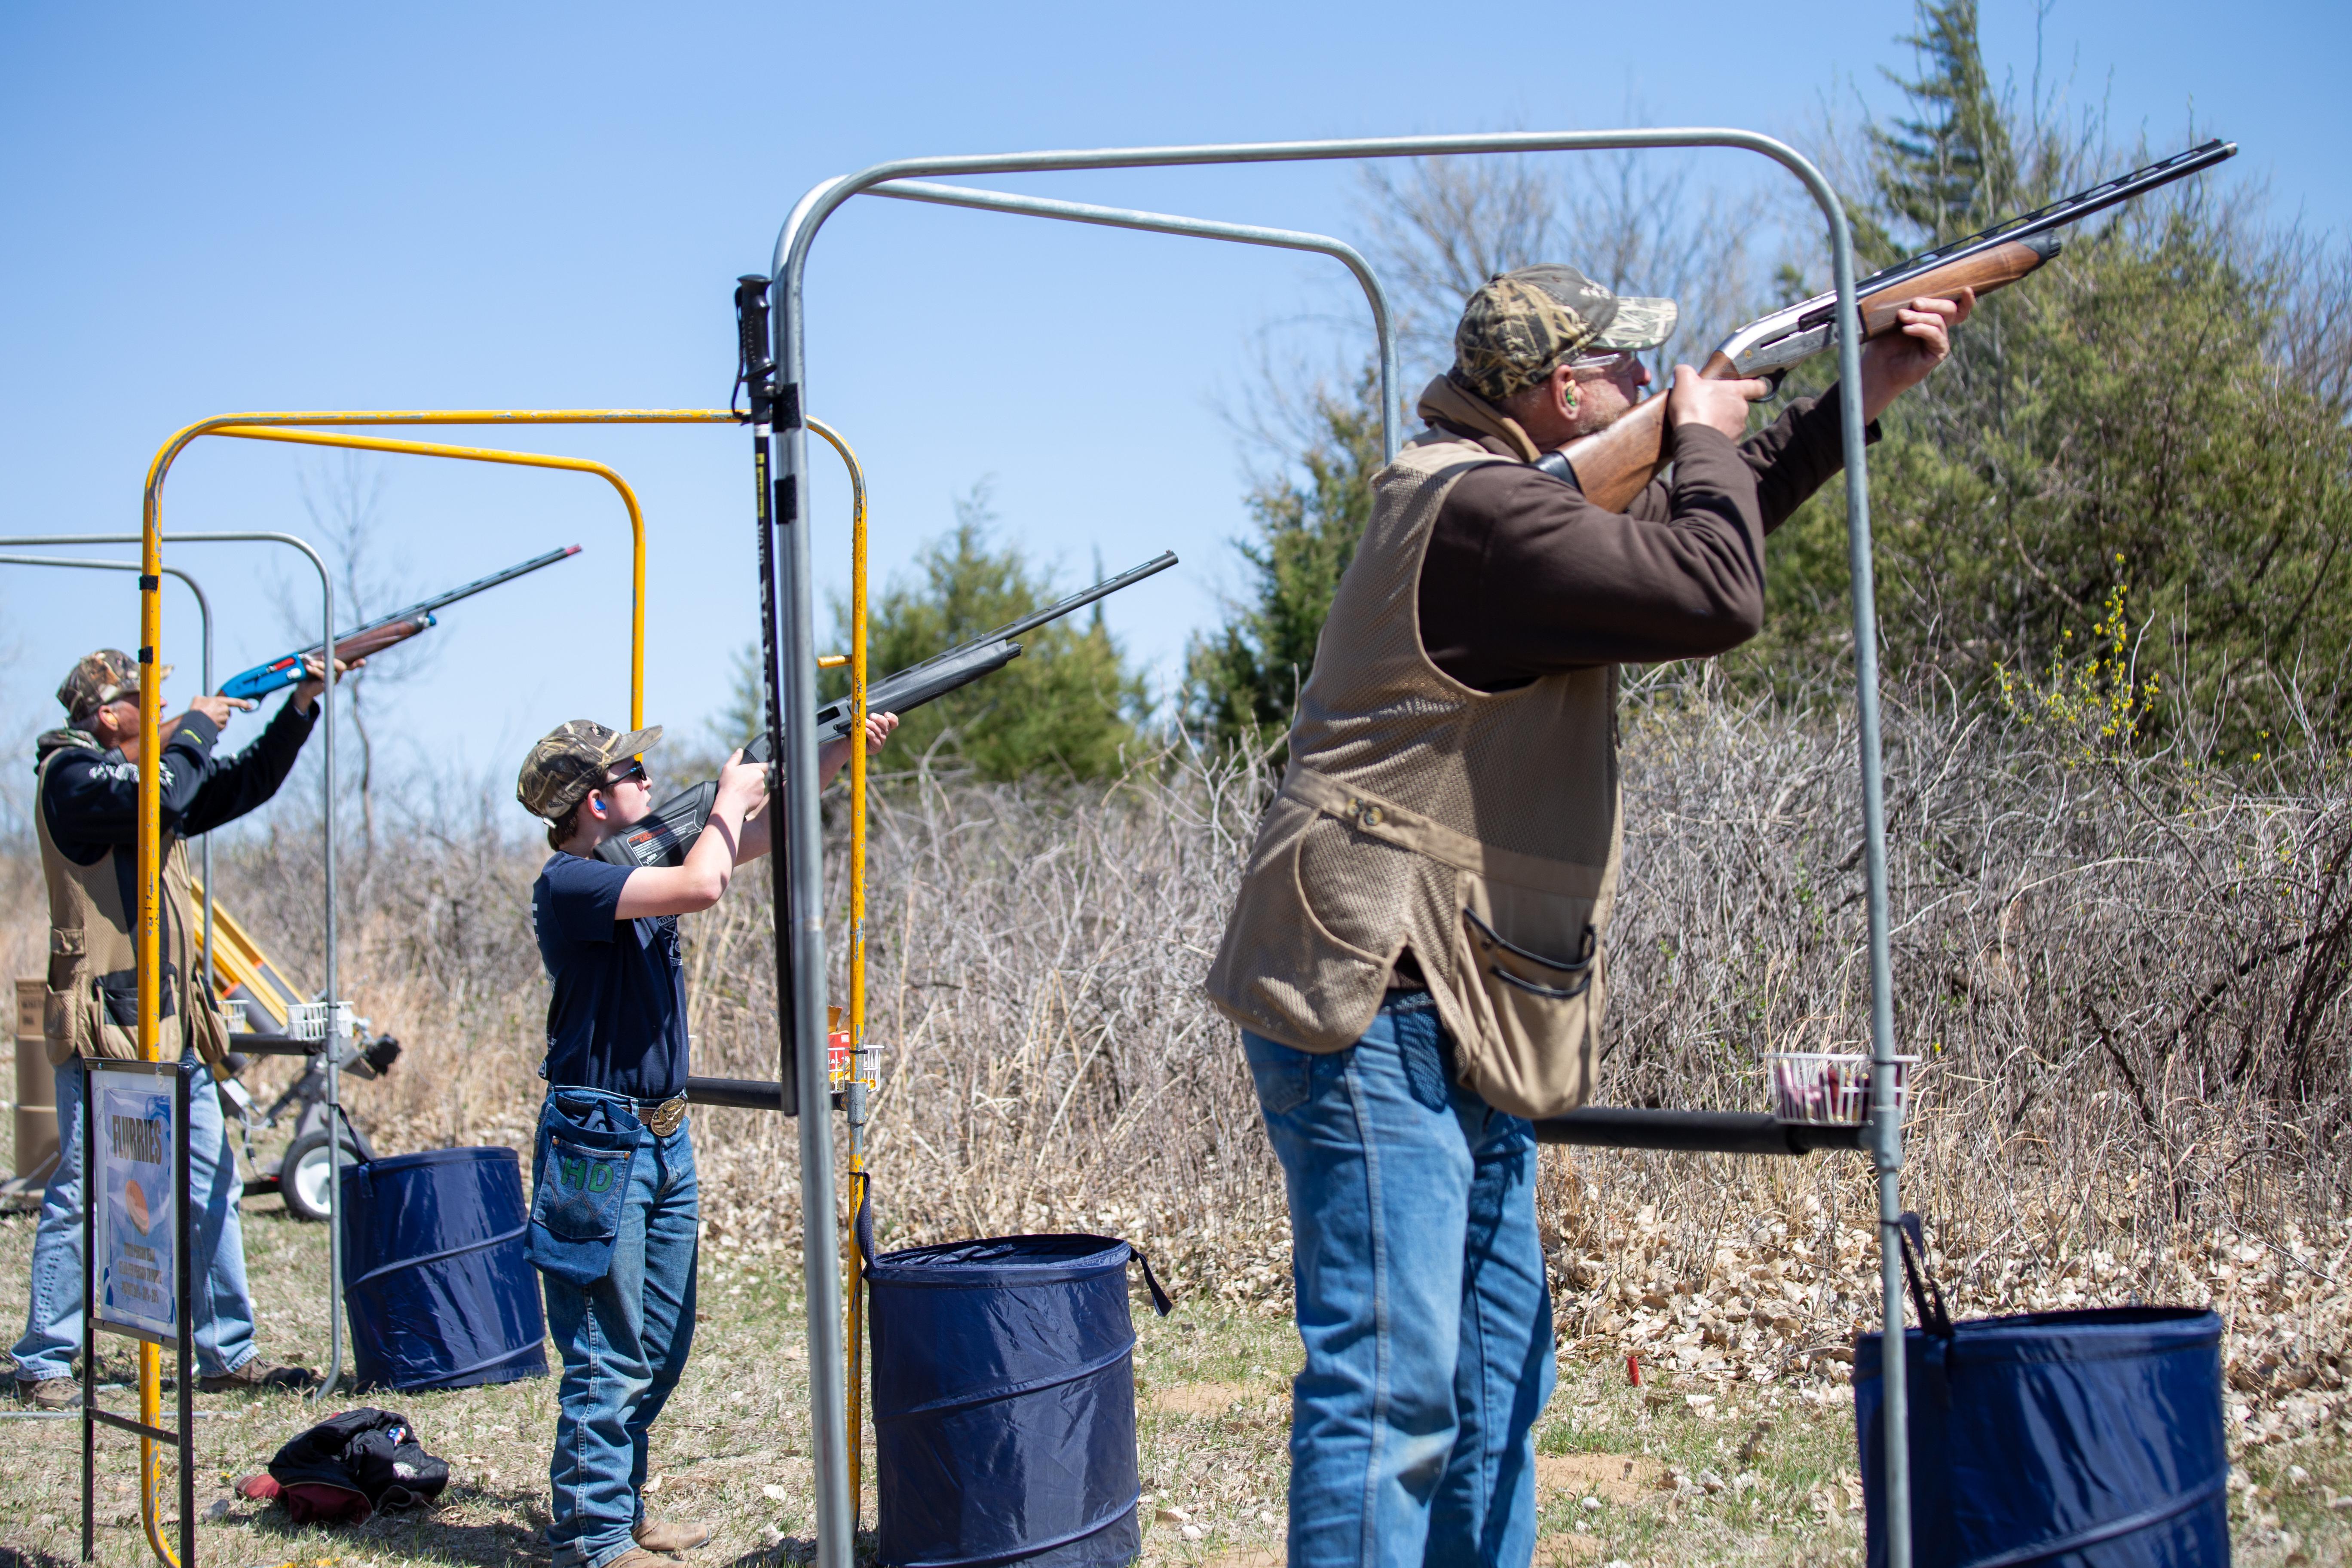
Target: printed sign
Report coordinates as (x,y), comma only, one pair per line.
(131,1133)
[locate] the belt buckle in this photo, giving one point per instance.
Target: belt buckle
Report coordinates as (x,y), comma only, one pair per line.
(664,1119)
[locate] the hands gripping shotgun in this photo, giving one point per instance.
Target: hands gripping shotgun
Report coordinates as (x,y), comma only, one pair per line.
(1611,465)
(664,835)
(379,634)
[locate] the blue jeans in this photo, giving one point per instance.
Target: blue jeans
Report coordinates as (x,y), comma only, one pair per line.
(625,1340)
(1421,1301)
(223,1305)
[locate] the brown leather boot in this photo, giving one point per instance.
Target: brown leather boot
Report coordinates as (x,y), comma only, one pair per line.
(668,1535)
(638,1557)
(258,1374)
(49,1393)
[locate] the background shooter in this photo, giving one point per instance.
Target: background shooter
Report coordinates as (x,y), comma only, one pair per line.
(86,824)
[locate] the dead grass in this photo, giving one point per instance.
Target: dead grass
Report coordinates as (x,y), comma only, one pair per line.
(2130,981)
(1720,1461)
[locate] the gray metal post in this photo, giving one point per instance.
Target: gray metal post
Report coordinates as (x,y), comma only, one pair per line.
(327,791)
(1383,320)
(205,611)
(790,596)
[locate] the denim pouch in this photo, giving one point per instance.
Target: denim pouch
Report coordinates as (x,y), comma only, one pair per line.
(586,1148)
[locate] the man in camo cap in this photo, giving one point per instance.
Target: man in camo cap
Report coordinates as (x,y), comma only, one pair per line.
(614,1210)
(1415,953)
(86,819)
(1523,323)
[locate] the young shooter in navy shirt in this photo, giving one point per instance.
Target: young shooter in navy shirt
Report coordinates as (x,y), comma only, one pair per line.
(614,1207)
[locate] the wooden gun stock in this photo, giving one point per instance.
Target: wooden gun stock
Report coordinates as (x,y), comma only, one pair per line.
(1613,465)
(376,640)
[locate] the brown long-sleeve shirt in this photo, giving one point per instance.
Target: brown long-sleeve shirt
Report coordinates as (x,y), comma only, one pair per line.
(1525,578)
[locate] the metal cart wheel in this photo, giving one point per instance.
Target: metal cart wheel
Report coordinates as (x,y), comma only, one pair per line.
(302,1175)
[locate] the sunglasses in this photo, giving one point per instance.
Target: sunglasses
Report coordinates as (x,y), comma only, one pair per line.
(1601,364)
(635,770)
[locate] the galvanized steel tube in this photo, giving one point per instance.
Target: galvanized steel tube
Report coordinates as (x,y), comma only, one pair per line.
(800,935)
(1383,320)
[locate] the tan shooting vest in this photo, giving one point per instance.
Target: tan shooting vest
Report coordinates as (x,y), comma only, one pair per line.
(91,942)
(1479,830)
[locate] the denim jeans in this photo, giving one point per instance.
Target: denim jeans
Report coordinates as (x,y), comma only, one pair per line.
(624,1338)
(224,1306)
(1421,1301)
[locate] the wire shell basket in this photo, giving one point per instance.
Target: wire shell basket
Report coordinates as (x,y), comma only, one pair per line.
(1828,1088)
(310,1020)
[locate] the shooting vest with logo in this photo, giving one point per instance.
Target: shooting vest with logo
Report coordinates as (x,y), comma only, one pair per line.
(1480,830)
(91,1007)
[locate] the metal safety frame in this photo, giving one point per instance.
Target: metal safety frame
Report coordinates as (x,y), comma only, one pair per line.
(328,857)
(292,426)
(287,427)
(853,1088)
(789,656)
(1347,256)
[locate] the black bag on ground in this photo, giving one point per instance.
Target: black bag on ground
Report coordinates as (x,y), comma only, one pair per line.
(371,1452)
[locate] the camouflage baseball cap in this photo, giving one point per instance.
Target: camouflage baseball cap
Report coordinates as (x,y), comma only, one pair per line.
(1519,324)
(98,679)
(570,760)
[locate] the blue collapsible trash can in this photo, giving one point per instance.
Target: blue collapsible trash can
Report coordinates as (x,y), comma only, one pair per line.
(439,1293)
(2088,1439)
(1004,1403)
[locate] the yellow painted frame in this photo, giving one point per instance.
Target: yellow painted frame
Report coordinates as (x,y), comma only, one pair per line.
(275,426)
(521,459)
(292,426)
(854,1396)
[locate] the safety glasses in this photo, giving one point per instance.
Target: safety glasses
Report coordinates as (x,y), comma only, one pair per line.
(1608,363)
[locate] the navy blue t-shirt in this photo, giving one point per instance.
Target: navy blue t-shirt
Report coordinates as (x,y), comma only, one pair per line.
(617,1018)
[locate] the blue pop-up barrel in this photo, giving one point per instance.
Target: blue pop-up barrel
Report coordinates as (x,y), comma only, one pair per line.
(439,1293)
(2088,1439)
(1004,1403)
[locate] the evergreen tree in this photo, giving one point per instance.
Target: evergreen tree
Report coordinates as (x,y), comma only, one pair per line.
(1946,168)
(2161,410)
(1242,681)
(2119,419)
(1066,707)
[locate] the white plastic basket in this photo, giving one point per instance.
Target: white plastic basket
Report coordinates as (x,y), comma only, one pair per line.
(1827,1088)
(233,1013)
(311,1020)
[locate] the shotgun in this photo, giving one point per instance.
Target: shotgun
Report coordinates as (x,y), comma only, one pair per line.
(1611,465)
(663,836)
(379,634)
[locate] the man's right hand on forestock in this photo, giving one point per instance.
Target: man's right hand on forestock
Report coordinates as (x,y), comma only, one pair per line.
(1717,405)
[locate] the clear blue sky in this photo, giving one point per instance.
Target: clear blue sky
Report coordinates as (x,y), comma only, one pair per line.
(352,207)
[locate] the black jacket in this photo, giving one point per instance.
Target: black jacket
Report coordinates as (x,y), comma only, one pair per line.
(89,803)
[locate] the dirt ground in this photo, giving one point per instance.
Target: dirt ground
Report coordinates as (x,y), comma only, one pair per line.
(1653,1475)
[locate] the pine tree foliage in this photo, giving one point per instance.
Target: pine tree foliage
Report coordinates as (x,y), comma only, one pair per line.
(1949,165)
(1066,708)
(2161,409)
(1242,681)
(2156,409)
